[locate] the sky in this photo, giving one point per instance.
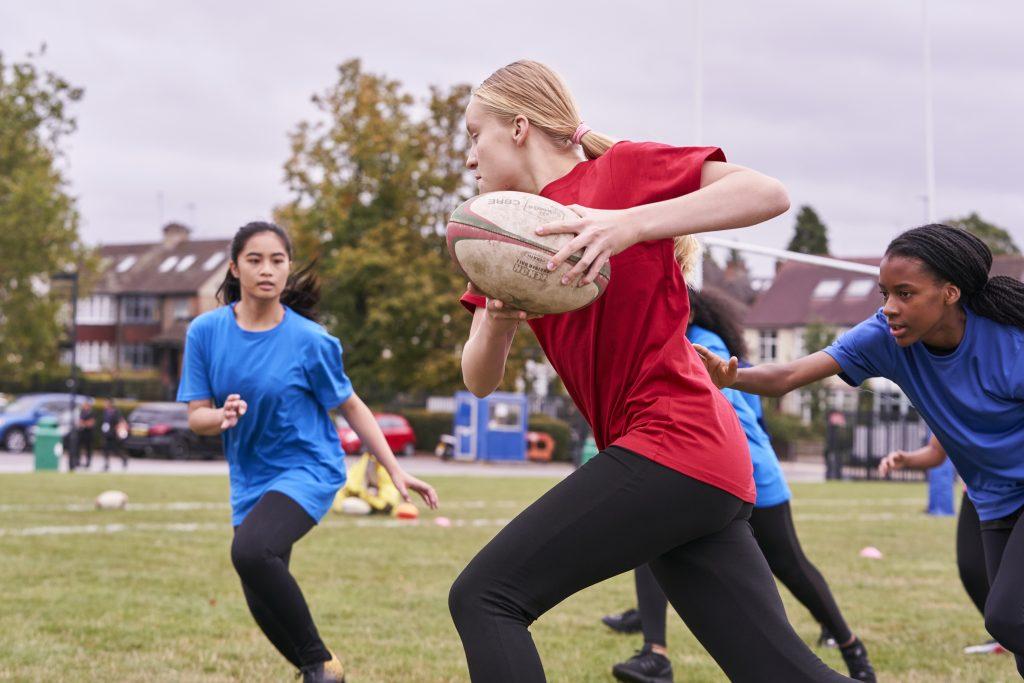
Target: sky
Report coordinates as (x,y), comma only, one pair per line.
(188,105)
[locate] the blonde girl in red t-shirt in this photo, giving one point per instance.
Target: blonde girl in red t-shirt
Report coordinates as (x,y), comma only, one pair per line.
(672,485)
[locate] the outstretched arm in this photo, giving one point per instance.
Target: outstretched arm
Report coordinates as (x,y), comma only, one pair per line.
(769,379)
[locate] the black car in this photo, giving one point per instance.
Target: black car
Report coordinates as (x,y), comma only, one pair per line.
(161,429)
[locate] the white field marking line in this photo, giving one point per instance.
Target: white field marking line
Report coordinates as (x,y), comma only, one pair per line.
(382,523)
(132,507)
(859,517)
(797,501)
(106,529)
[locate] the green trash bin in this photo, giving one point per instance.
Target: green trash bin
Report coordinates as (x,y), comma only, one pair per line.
(589,450)
(48,447)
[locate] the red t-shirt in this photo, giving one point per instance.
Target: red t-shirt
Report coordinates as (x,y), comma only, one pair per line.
(625,359)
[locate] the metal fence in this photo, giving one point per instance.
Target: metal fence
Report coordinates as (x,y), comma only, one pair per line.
(856,442)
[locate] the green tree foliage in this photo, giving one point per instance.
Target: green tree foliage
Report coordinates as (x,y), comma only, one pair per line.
(373,182)
(38,217)
(810,236)
(817,336)
(997,238)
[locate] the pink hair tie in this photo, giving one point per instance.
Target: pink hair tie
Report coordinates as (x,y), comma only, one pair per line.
(581,130)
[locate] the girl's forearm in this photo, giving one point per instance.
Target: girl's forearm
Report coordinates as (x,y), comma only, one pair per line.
(206,421)
(738,200)
(484,356)
(363,423)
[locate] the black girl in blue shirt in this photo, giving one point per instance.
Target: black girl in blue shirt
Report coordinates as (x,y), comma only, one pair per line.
(275,374)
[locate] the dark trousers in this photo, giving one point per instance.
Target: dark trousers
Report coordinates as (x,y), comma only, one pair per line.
(1003,542)
(260,552)
(619,511)
(776,537)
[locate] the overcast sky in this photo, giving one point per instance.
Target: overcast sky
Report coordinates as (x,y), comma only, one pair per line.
(194,100)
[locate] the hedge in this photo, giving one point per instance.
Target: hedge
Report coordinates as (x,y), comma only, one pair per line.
(559,431)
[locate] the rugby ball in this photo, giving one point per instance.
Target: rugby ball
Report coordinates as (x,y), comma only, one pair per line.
(354,506)
(492,239)
(112,500)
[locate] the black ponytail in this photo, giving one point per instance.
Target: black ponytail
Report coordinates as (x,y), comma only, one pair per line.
(957,256)
(301,292)
(714,310)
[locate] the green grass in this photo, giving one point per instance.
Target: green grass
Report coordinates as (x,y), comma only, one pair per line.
(158,604)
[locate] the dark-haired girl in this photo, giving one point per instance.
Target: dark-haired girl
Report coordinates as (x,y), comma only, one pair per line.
(715,324)
(263,373)
(952,338)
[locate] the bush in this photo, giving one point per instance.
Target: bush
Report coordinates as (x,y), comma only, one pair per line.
(559,431)
(785,430)
(428,426)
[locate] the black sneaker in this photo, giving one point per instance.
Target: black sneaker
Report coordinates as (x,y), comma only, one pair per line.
(644,667)
(627,622)
(826,639)
(856,657)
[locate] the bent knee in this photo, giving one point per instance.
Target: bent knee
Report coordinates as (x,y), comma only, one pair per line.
(248,554)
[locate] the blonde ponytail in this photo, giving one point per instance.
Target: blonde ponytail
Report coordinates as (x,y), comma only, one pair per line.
(688,250)
(535,91)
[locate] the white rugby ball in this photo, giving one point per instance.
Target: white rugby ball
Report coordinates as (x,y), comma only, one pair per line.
(112,500)
(355,506)
(492,238)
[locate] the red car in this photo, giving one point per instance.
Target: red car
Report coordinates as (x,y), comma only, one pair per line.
(396,430)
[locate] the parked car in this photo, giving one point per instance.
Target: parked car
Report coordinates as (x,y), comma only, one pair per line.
(20,417)
(397,431)
(162,429)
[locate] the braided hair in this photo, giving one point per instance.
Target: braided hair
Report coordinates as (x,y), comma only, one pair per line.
(957,256)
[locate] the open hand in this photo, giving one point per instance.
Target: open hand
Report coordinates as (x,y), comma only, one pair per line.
(723,373)
(404,482)
(600,234)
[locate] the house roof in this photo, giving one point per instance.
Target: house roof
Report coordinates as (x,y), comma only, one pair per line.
(802,293)
(170,267)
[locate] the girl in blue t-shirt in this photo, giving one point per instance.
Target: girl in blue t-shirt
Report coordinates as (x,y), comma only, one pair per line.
(715,324)
(274,374)
(952,338)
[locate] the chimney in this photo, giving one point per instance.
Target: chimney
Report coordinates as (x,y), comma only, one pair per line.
(175,234)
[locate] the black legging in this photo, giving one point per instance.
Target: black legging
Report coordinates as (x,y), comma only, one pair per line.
(970,556)
(776,536)
(1004,608)
(617,512)
(260,552)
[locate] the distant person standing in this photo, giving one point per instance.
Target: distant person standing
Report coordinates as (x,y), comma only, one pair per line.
(111,424)
(86,425)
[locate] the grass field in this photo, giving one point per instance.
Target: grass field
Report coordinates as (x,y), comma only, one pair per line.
(148,594)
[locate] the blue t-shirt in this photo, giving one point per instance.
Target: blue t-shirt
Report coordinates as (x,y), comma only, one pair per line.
(772,488)
(972,399)
(290,376)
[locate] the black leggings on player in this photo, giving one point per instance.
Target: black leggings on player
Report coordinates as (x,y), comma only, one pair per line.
(1003,541)
(615,513)
(260,552)
(970,556)
(776,536)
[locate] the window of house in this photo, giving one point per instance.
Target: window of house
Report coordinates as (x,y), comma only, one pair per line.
(126,264)
(213,261)
(137,356)
(168,263)
(182,308)
(185,263)
(139,309)
(768,345)
(827,289)
(858,289)
(96,310)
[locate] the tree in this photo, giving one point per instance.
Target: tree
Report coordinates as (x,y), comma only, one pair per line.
(373,185)
(38,217)
(998,239)
(817,336)
(810,236)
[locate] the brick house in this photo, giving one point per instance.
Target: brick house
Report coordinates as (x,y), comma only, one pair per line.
(802,294)
(135,318)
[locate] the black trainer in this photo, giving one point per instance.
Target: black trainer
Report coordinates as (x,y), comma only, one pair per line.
(644,667)
(826,639)
(627,622)
(856,657)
